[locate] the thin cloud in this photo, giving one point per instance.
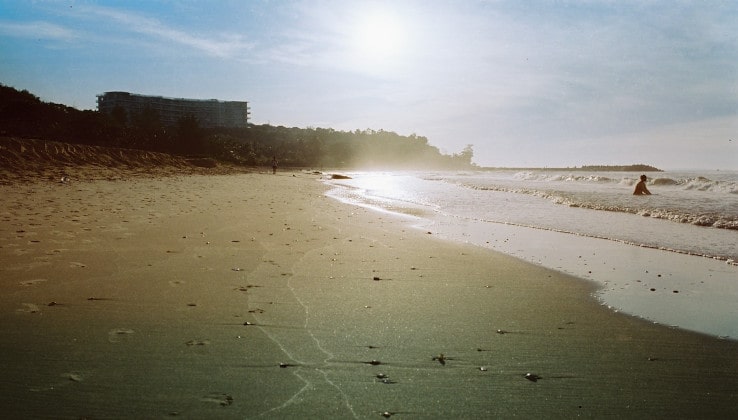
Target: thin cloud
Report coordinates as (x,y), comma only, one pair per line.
(38,30)
(225,46)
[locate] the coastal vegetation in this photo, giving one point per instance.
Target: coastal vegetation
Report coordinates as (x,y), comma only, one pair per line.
(24,115)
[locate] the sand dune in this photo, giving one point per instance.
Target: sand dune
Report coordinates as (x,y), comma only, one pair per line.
(23,160)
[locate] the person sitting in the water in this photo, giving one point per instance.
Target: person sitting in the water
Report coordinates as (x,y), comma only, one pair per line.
(641,187)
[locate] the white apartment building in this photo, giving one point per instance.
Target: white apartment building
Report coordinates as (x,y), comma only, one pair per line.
(209,112)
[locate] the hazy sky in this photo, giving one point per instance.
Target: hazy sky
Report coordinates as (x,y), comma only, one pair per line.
(528,83)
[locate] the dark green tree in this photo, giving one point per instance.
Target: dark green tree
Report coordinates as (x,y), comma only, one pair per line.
(464,158)
(24,115)
(147,132)
(189,139)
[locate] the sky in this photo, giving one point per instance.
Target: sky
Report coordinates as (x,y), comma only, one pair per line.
(527,83)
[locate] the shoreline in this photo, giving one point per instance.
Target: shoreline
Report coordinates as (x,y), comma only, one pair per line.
(677,289)
(657,285)
(253,295)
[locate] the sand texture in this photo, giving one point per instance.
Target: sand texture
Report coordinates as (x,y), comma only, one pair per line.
(254,295)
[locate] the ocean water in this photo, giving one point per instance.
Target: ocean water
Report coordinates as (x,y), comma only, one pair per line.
(670,257)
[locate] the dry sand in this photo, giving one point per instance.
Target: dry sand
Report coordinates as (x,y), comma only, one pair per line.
(150,297)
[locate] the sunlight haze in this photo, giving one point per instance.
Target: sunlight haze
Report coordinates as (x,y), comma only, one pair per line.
(528,83)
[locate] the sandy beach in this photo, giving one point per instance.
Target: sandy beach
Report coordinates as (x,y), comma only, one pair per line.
(183,294)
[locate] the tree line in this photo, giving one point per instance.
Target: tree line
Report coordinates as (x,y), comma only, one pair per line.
(22,114)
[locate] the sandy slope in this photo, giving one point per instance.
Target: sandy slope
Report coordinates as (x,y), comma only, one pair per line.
(25,160)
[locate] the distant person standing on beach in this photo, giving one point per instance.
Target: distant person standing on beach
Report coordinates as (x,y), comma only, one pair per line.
(274,164)
(641,187)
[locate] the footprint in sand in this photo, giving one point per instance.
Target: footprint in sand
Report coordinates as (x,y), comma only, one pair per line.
(218,398)
(115,335)
(197,343)
(32,282)
(30,308)
(68,378)
(72,376)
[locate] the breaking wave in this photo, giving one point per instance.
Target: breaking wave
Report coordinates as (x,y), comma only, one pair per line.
(590,191)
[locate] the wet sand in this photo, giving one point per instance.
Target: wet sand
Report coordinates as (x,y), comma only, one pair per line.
(253,295)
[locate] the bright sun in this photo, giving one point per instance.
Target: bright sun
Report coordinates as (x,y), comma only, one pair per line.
(378,36)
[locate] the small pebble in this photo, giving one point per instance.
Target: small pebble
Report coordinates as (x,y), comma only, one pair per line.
(532,377)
